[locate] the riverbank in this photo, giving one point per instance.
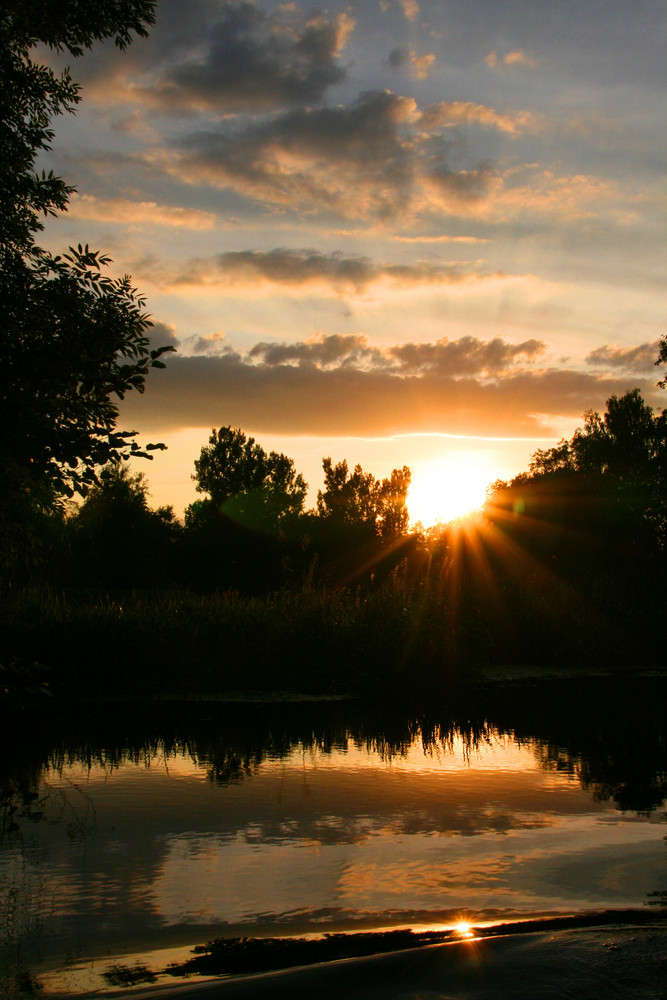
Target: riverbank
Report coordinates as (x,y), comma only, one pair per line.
(403,638)
(618,956)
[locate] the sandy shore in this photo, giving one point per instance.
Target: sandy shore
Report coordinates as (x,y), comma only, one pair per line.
(610,963)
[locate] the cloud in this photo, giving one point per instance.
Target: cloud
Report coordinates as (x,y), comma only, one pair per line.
(410,9)
(162,335)
(466,356)
(448,113)
(309,270)
(245,59)
(210,344)
(535,189)
(380,159)
(461,192)
(137,213)
(343,399)
(523,192)
(350,160)
(511,60)
(518,58)
(369,160)
(418,67)
(443,238)
(629,359)
(334,350)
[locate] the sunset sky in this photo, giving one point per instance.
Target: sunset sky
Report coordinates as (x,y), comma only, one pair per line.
(396,232)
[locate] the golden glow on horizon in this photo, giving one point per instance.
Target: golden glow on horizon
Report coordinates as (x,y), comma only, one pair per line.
(463,928)
(448,488)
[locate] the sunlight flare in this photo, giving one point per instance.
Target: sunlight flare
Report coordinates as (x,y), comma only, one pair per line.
(448,488)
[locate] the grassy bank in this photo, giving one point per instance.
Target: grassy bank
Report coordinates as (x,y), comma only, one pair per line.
(416,634)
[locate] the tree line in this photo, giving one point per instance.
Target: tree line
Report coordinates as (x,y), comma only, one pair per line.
(591,504)
(600,496)
(249,532)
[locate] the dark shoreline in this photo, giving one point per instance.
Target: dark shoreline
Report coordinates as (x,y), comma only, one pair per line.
(231,956)
(611,945)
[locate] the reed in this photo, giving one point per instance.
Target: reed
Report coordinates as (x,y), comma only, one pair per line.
(410,632)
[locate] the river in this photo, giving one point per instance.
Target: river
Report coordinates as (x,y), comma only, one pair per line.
(131,835)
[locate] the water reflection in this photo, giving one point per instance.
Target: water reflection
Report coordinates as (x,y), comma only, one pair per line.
(148,828)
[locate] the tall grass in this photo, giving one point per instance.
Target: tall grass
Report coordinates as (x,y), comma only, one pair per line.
(412,632)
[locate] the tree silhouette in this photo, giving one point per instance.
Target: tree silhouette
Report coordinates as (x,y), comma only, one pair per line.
(662,360)
(247,484)
(73,339)
(239,537)
(393,515)
(359,499)
(116,517)
(361,523)
(608,482)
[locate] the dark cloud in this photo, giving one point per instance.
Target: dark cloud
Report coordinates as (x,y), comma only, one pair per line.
(298,399)
(460,185)
(230,56)
(352,160)
(342,385)
(211,344)
(303,268)
(369,159)
(466,356)
(406,57)
(628,359)
(398,57)
(250,61)
(334,350)
(162,335)
(292,268)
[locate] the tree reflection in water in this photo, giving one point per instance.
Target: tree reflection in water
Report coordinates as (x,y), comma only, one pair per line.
(609,735)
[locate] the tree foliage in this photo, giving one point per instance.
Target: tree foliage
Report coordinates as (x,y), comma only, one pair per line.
(118,494)
(358,498)
(626,445)
(247,484)
(662,360)
(32,94)
(115,538)
(609,481)
(72,340)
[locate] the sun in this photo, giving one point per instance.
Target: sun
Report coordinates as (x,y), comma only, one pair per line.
(448,488)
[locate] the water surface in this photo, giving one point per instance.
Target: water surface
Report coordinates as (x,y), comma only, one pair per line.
(157,829)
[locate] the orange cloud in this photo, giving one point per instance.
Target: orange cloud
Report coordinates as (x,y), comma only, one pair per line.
(576,196)
(343,400)
(410,9)
(510,60)
(137,213)
(467,112)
